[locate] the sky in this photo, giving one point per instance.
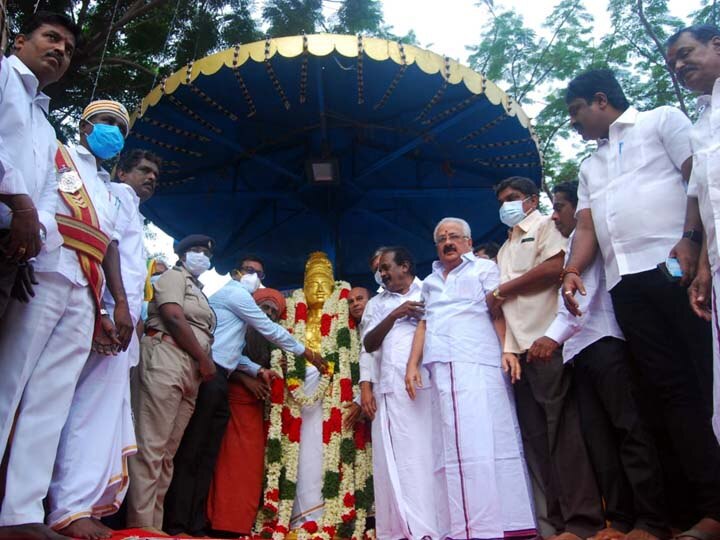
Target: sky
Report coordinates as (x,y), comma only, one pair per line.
(447,27)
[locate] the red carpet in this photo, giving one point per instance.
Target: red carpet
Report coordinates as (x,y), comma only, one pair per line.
(139,534)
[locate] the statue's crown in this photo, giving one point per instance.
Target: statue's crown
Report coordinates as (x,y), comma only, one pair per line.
(318,264)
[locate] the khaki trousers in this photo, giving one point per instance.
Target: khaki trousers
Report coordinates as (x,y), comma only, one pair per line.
(164,389)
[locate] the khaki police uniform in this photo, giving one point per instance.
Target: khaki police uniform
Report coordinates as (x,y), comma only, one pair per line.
(164,390)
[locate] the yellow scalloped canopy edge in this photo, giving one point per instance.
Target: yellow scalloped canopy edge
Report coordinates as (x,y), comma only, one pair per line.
(346,45)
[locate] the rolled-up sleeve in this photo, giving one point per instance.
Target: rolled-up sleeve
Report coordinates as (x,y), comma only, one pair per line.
(244,307)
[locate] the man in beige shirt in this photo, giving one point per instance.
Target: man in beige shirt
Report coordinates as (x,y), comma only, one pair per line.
(531,260)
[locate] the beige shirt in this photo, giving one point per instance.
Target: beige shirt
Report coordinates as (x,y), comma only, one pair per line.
(533,241)
(178,286)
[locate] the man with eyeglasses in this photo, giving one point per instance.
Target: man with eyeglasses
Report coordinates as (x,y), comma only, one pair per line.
(567,500)
(235,309)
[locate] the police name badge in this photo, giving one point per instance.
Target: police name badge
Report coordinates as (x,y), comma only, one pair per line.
(69,182)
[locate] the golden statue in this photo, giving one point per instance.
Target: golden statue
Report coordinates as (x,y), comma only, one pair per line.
(318,470)
(318,286)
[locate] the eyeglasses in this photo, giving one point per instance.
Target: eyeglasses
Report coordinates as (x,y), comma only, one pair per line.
(251,270)
(450,238)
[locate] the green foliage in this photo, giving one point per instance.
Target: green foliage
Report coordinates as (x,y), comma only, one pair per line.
(347,451)
(535,66)
(150,39)
(331,485)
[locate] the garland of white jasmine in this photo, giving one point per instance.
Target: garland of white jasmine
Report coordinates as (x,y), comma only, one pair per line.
(347,465)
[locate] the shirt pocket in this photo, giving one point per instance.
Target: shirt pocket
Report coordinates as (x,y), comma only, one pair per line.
(468,287)
(523,256)
(630,155)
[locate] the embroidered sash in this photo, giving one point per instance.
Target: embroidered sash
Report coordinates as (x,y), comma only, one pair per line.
(81,231)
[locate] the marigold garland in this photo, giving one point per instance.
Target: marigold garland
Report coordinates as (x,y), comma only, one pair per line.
(347,464)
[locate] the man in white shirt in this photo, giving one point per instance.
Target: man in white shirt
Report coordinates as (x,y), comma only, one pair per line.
(632,205)
(694,55)
(90,479)
(483,486)
(44,344)
(41,55)
(621,449)
(567,501)
(235,309)
(402,431)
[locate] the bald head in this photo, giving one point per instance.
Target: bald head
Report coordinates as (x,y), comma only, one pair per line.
(357,300)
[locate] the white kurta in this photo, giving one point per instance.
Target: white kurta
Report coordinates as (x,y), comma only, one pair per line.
(716,354)
(309,503)
(477,443)
(402,431)
(43,347)
(91,475)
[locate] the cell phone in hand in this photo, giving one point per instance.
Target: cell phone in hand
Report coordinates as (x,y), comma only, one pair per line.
(671,269)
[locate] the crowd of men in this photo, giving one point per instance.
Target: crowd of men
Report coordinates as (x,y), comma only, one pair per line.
(560,386)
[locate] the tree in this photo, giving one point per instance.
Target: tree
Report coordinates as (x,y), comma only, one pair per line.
(535,67)
(132,44)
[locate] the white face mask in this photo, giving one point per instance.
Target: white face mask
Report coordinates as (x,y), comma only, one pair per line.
(251,282)
(378,278)
(196,263)
(512,213)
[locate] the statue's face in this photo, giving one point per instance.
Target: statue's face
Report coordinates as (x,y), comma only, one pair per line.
(317,289)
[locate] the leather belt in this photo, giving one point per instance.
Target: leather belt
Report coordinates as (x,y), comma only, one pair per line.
(165,337)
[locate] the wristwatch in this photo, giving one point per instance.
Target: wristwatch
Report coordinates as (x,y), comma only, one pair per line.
(104,312)
(693,235)
(497,295)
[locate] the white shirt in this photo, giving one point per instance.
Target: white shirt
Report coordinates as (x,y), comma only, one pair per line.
(27,143)
(395,348)
(133,256)
(705,177)
(64,261)
(598,316)
(633,186)
(459,327)
(235,308)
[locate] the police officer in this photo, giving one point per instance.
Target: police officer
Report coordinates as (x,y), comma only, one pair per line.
(175,357)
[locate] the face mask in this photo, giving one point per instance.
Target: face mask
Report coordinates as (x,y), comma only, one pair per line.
(511,212)
(378,278)
(196,263)
(250,282)
(154,279)
(105,141)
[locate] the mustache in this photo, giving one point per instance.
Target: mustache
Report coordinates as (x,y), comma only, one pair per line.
(449,248)
(57,56)
(682,72)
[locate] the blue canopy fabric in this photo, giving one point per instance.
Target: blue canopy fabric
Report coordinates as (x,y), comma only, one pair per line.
(416,137)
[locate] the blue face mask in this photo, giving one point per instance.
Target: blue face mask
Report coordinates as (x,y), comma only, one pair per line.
(105,141)
(512,213)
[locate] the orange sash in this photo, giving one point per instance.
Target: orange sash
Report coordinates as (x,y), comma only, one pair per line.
(81,231)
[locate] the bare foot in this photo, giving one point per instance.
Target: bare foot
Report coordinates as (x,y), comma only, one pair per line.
(608,533)
(86,528)
(567,536)
(705,529)
(639,534)
(30,531)
(103,526)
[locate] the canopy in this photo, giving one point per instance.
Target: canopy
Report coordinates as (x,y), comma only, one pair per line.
(397,138)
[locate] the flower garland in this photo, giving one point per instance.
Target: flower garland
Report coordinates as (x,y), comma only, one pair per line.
(347,465)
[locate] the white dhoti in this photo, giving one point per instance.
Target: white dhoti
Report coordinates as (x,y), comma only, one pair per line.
(716,354)
(309,503)
(478,453)
(91,473)
(405,487)
(43,347)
